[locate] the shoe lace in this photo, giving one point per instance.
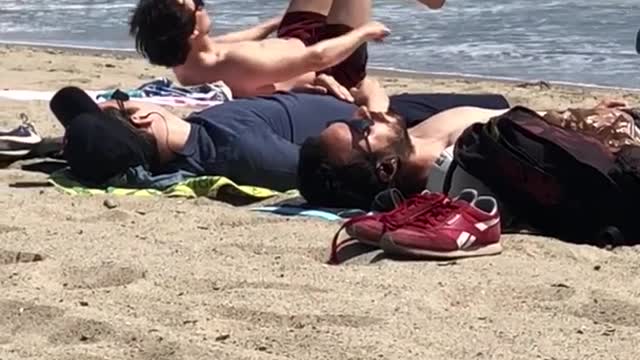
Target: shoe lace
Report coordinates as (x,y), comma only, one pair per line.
(335,245)
(26,123)
(410,209)
(436,215)
(402,214)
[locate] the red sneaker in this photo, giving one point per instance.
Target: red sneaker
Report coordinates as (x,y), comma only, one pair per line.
(452,230)
(369,229)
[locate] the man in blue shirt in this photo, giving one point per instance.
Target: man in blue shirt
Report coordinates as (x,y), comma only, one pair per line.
(252,141)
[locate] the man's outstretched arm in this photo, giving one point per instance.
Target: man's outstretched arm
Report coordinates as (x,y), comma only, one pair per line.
(253,66)
(258,32)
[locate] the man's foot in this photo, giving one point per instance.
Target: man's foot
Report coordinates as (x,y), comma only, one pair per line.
(433,4)
(18,142)
(454,229)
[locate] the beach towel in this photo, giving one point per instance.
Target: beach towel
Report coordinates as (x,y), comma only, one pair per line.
(214,187)
(219,188)
(175,97)
(298,207)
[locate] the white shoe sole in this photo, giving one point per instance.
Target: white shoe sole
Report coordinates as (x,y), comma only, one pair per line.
(14,153)
(32,139)
(388,245)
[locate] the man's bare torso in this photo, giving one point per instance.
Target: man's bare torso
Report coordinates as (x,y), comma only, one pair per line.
(200,67)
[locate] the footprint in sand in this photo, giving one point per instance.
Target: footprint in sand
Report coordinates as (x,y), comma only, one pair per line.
(15,257)
(281,286)
(271,319)
(71,330)
(206,286)
(5,339)
(101,276)
(154,348)
(7,229)
(610,311)
(79,357)
(19,317)
(115,215)
(544,293)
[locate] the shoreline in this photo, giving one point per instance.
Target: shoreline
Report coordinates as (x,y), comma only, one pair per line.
(377,71)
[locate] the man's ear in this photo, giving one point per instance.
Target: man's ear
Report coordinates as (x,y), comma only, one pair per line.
(141,121)
(387,169)
(194,34)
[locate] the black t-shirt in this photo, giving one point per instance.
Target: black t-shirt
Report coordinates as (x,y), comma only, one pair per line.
(255,141)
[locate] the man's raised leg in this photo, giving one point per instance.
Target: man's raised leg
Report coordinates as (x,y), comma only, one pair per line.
(304,19)
(352,13)
(314,6)
(344,16)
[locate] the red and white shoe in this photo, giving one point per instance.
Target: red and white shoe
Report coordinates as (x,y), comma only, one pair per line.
(368,229)
(453,229)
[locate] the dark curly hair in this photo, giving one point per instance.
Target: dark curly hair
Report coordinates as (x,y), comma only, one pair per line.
(146,141)
(356,183)
(162,29)
(321,183)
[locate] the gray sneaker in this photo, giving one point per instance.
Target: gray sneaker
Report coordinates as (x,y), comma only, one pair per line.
(18,142)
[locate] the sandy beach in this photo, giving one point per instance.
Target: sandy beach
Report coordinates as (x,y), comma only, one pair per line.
(162,278)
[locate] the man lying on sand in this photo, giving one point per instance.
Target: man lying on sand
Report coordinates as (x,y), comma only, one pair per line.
(252,141)
(375,151)
(314,36)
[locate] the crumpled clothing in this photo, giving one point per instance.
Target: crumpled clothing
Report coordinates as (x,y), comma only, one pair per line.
(163,87)
(613,127)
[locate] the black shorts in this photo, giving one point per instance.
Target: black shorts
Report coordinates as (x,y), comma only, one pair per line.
(415,108)
(311,28)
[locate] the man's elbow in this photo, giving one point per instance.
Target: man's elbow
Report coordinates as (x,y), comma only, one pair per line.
(318,58)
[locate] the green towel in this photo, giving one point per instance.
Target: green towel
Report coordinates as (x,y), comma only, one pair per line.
(214,187)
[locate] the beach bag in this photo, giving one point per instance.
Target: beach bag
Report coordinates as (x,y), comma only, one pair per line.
(556,180)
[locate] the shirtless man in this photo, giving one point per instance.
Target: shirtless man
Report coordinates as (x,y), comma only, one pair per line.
(314,36)
(354,160)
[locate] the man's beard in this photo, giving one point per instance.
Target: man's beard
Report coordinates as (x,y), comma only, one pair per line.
(402,147)
(401,144)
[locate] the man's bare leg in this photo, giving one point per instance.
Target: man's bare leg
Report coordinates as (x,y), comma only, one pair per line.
(304,20)
(344,16)
(316,6)
(353,13)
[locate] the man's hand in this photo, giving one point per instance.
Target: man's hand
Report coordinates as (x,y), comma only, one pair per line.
(371,94)
(375,31)
(326,84)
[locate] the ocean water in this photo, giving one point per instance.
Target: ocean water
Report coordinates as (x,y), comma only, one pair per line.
(578,41)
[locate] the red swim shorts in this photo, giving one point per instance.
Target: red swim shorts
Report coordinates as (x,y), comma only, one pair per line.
(311,28)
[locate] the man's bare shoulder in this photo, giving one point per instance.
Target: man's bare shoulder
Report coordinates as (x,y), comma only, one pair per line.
(200,67)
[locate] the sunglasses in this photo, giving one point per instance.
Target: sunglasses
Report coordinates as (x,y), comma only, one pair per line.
(120,97)
(359,128)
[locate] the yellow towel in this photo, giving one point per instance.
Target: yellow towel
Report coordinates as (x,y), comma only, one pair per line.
(214,187)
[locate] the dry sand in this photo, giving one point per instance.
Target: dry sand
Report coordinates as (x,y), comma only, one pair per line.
(175,279)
